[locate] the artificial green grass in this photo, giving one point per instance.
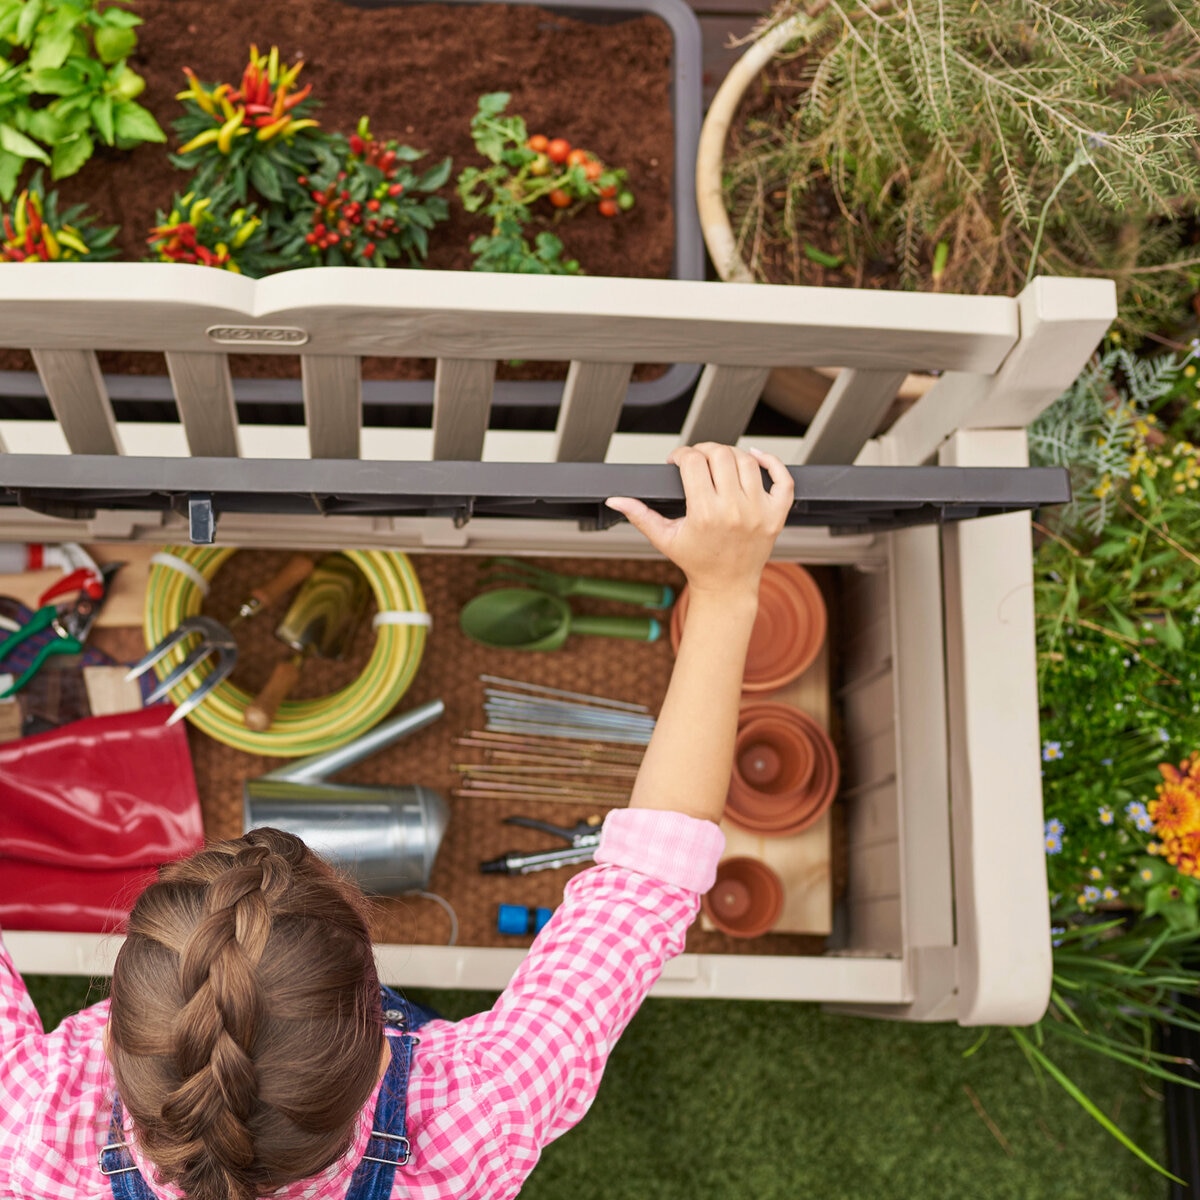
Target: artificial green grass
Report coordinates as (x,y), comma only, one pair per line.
(773,1101)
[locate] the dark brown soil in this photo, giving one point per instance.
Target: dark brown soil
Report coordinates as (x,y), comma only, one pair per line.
(417,70)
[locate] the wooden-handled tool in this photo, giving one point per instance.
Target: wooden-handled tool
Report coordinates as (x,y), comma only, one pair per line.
(296,570)
(322,620)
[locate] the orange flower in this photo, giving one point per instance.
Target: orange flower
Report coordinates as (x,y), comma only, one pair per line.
(1177,809)
(1188,770)
(1183,853)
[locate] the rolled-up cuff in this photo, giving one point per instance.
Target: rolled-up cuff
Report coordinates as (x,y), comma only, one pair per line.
(669,846)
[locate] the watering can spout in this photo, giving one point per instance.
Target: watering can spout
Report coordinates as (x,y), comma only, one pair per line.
(319,767)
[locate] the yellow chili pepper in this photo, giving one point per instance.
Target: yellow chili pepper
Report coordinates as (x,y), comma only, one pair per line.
(197,92)
(19,214)
(201,139)
(273,64)
(51,243)
(232,266)
(245,233)
(267,132)
(229,130)
(306,123)
(68,237)
(291,74)
(198,209)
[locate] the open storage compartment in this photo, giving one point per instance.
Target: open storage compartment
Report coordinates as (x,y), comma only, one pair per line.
(943,912)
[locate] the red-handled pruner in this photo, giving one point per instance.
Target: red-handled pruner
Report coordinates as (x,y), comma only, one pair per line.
(81,573)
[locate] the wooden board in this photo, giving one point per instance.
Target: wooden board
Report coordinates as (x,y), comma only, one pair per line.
(802,861)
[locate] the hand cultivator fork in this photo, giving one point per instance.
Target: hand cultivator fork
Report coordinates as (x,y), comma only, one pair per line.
(215,639)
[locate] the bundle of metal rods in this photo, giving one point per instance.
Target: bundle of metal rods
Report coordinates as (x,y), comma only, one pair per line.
(541,743)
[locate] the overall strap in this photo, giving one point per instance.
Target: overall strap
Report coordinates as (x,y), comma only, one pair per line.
(388,1147)
(117,1163)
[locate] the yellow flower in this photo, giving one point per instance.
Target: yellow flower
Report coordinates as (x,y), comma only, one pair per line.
(1095,873)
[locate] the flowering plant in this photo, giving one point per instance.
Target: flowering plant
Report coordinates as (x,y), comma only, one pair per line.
(364,205)
(199,231)
(258,134)
(35,231)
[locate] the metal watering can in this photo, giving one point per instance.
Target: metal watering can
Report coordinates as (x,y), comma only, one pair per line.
(386,837)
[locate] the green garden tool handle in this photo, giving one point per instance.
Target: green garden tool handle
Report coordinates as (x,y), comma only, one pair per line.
(623,591)
(67,645)
(638,629)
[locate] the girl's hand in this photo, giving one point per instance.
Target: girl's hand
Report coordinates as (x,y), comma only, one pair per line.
(731,523)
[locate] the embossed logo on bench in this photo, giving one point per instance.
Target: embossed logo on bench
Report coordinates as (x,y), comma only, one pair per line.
(261,335)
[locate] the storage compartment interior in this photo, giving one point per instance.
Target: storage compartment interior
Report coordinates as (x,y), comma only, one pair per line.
(852,856)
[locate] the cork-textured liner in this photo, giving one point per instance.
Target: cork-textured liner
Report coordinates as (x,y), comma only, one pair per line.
(449,671)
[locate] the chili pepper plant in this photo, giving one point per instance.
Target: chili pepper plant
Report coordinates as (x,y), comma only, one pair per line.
(255,135)
(364,205)
(65,84)
(35,231)
(197,230)
(531,176)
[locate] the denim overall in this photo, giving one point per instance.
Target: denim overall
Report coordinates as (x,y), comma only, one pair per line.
(387,1149)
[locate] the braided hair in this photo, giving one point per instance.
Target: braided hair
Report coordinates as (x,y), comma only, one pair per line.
(245,1028)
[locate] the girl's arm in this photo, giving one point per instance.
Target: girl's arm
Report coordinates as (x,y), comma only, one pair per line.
(537,1057)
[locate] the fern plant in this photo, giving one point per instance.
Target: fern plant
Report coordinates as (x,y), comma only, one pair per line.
(972,145)
(1104,428)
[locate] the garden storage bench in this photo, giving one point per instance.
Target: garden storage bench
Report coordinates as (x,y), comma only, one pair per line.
(945,914)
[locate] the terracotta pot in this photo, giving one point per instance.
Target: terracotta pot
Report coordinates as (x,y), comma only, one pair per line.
(788,631)
(746,899)
(785,771)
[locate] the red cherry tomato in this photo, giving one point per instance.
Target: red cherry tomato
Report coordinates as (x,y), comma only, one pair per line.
(610,192)
(538,142)
(608,208)
(560,199)
(577,158)
(558,150)
(592,170)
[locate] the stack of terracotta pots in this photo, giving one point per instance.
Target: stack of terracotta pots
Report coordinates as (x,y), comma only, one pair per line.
(785,767)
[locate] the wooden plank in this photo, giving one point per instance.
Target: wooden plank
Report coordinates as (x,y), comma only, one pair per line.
(874,872)
(1002,919)
(1062,320)
(462,402)
(849,416)
(79,400)
(870,708)
(452,314)
(203,390)
(591,408)
(873,816)
(332,386)
(725,397)
(869,762)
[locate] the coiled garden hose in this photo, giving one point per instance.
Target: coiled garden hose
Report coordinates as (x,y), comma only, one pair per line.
(301,727)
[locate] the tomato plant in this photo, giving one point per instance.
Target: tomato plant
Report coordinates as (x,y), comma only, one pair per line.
(35,231)
(506,250)
(197,230)
(526,171)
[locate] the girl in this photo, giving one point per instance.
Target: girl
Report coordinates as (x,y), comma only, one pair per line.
(247,1049)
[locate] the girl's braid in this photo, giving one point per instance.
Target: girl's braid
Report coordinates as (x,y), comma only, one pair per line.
(245,1030)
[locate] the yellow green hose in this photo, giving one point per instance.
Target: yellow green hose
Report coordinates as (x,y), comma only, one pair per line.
(301,727)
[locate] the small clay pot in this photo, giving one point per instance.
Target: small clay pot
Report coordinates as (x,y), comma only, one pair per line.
(746,899)
(785,770)
(788,631)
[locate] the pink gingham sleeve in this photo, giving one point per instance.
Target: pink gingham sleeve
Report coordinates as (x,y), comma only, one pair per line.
(22,1065)
(539,1054)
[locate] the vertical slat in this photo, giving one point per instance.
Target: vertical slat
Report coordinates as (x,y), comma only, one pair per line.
(725,398)
(1061,322)
(462,402)
(848,416)
(204,395)
(1001,916)
(332,404)
(591,408)
(79,399)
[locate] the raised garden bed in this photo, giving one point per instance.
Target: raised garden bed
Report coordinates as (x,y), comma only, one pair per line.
(620,76)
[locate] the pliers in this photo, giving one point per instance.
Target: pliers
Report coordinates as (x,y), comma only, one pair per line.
(70,625)
(582,840)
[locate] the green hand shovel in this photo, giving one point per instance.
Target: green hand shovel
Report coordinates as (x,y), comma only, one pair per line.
(648,595)
(522,619)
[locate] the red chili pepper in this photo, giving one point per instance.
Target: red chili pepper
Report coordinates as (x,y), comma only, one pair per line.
(263,95)
(373,205)
(292,101)
(368,249)
(8,228)
(388,160)
(250,82)
(357,145)
(395,189)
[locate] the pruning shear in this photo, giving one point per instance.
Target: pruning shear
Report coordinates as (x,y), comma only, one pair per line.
(70,626)
(582,840)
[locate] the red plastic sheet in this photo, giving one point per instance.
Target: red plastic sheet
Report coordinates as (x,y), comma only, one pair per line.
(87,812)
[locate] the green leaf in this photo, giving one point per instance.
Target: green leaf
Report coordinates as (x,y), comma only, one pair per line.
(113,43)
(493,103)
(70,155)
(51,49)
(119,18)
(1111,549)
(133,124)
(102,116)
(265,179)
(10,171)
(435,177)
(16,142)
(64,81)
(31,14)
(46,126)
(821,257)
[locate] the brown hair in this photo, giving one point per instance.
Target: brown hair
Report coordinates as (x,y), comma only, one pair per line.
(246,1029)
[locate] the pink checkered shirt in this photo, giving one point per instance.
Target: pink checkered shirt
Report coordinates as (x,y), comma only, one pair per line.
(486,1094)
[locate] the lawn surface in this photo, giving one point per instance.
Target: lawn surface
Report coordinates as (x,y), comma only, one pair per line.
(772,1101)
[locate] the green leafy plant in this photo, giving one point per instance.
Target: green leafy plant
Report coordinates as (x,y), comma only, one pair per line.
(35,231)
(364,205)
(967,146)
(65,84)
(528,173)
(257,135)
(197,230)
